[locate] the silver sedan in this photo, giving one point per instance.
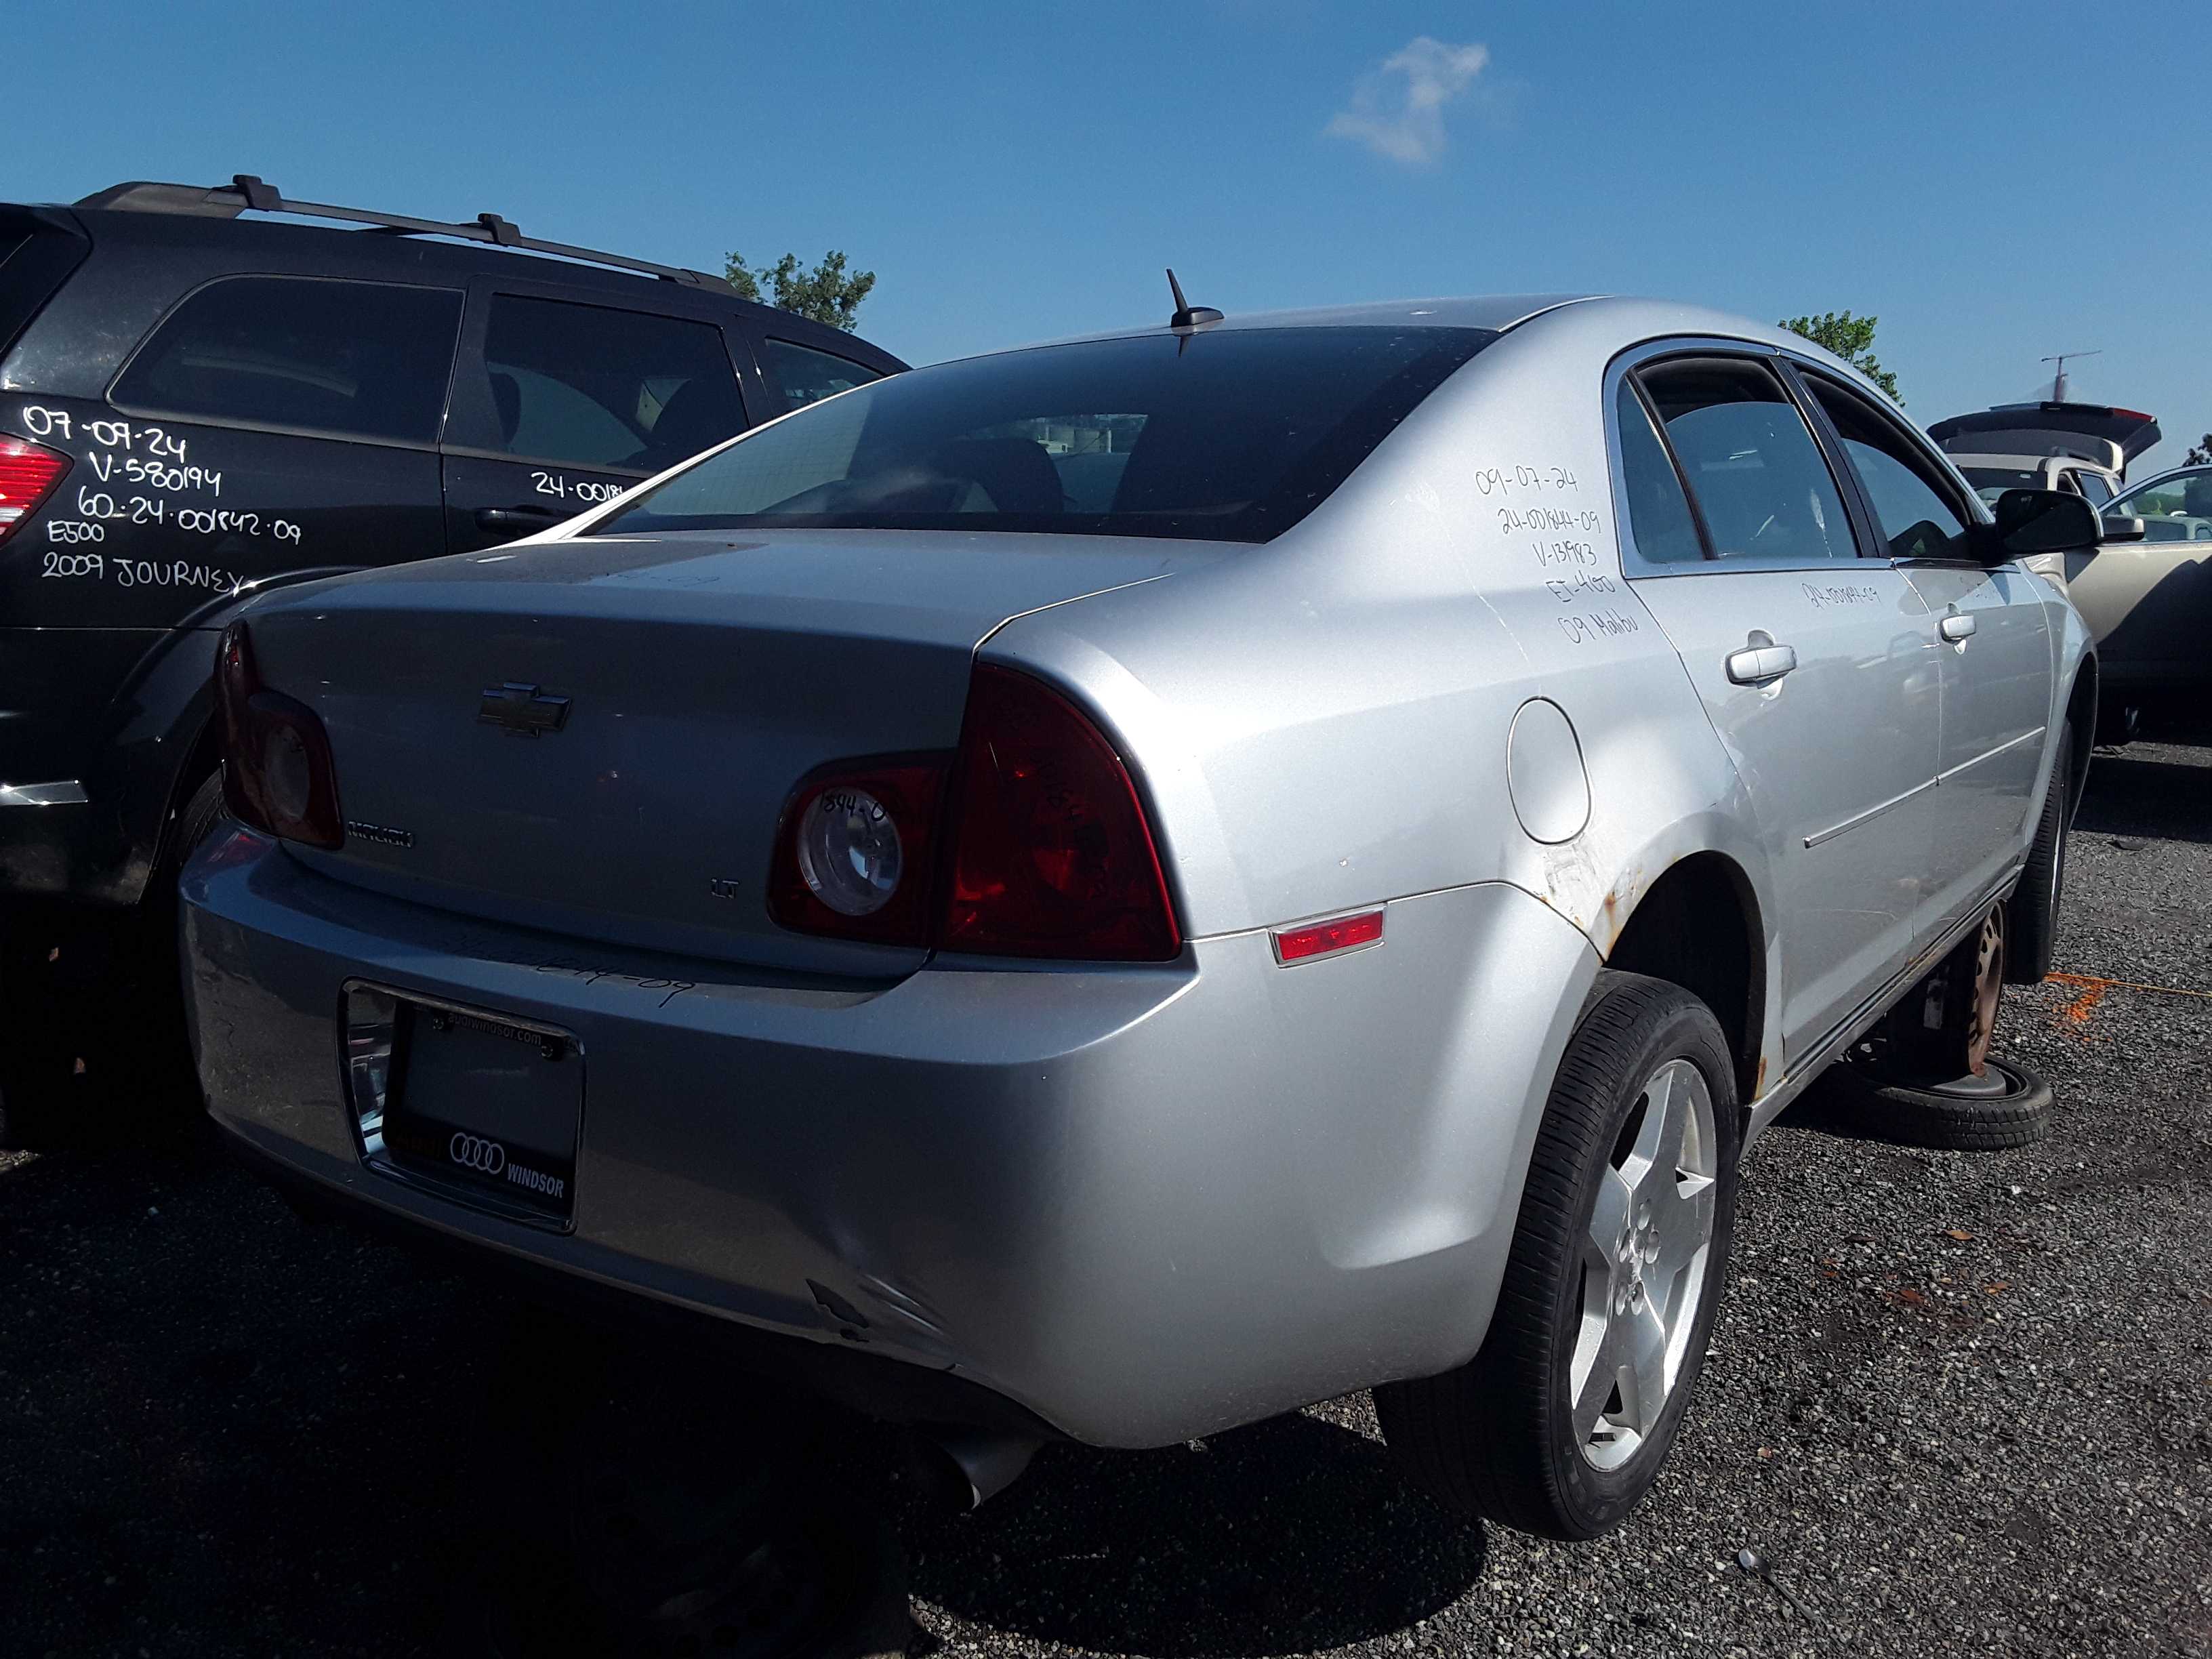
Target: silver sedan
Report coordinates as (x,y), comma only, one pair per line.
(1117,889)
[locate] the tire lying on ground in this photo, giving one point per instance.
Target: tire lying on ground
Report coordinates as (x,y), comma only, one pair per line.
(2008,1106)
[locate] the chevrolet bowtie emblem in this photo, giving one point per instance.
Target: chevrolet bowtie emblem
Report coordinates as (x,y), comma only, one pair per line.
(522,709)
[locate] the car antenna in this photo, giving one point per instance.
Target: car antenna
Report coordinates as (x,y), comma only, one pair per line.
(1188,315)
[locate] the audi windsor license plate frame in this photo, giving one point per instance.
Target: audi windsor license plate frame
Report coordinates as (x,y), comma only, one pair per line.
(482,1107)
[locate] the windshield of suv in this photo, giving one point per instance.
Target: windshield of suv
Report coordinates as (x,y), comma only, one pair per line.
(1234,435)
(1991,481)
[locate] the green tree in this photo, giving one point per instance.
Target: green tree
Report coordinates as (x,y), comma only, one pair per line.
(1850,338)
(828,293)
(2200,454)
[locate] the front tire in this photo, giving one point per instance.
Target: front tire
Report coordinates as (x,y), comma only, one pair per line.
(1564,1418)
(2031,912)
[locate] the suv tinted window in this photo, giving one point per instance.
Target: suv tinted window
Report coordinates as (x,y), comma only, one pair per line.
(590,386)
(1917,518)
(367,360)
(1229,436)
(1765,491)
(1659,519)
(808,376)
(2094,487)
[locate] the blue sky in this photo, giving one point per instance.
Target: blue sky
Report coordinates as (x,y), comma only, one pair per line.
(1995,182)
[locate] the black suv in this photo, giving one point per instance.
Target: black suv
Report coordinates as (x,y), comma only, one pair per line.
(196,406)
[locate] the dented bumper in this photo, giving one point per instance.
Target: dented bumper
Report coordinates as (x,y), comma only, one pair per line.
(1142,1203)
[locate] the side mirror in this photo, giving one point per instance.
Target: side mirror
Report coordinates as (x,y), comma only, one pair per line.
(2044,521)
(2118,527)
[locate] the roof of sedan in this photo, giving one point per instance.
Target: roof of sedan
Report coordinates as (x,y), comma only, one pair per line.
(1490,311)
(1495,311)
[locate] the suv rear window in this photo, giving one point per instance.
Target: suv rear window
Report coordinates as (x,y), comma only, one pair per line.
(592,385)
(357,359)
(1232,436)
(808,376)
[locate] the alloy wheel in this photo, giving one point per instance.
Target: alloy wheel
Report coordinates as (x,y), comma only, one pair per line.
(1645,1253)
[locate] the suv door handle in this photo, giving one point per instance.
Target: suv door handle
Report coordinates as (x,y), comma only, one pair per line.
(1956,627)
(1755,665)
(516,518)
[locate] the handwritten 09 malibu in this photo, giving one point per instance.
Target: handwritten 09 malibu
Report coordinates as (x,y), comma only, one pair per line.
(1114,890)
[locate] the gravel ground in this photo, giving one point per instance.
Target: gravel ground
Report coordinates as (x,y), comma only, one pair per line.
(1962,1404)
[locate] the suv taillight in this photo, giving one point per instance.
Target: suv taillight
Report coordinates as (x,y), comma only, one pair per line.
(28,473)
(278,773)
(1045,848)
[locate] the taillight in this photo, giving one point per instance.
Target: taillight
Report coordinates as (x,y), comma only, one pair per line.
(1051,854)
(1049,851)
(28,473)
(278,773)
(855,855)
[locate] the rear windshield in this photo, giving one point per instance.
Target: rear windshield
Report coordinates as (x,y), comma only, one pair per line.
(1231,436)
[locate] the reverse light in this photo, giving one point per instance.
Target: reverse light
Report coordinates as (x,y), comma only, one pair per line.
(278,773)
(1327,939)
(28,473)
(854,855)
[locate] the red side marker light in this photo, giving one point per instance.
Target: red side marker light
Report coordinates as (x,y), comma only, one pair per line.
(1327,939)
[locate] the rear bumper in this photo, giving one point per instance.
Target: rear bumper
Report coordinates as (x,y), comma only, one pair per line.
(1140,1203)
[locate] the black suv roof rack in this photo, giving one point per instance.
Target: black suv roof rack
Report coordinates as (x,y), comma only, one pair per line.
(246,191)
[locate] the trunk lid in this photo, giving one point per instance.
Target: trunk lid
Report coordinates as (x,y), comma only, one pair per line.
(700,675)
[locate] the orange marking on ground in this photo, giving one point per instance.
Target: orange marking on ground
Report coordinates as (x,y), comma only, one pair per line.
(2093,987)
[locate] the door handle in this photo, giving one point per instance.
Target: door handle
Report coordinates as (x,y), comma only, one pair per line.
(1956,627)
(1757,664)
(516,518)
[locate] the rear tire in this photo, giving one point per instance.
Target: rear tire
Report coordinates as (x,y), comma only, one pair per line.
(1552,1428)
(2031,912)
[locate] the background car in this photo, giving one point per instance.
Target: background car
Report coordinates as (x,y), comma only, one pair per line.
(1116,890)
(198,405)
(2146,591)
(2083,448)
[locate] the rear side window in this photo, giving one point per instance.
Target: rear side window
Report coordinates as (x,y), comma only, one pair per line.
(808,376)
(1759,477)
(1233,435)
(355,360)
(1659,519)
(590,386)
(1917,518)
(2094,487)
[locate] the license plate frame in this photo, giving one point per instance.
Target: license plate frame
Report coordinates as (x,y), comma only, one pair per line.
(482,1107)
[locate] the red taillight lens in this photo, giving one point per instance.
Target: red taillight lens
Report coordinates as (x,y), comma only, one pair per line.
(1052,855)
(278,773)
(28,473)
(855,855)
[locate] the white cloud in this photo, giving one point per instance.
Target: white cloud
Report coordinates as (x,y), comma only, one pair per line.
(1405,122)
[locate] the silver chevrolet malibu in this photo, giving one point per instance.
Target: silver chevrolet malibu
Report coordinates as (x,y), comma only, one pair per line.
(1117,889)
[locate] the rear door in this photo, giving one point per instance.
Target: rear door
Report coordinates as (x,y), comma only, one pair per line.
(560,403)
(1991,643)
(1811,662)
(267,424)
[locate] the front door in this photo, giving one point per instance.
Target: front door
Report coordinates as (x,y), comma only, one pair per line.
(2149,603)
(560,405)
(1810,661)
(1990,642)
